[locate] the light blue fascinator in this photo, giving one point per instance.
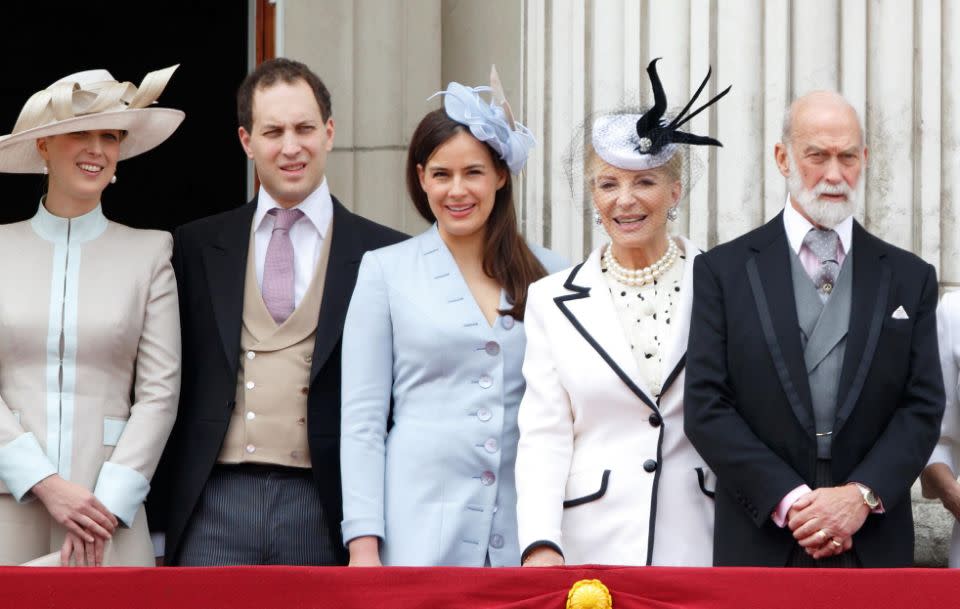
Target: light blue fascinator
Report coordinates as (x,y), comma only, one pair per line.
(491,122)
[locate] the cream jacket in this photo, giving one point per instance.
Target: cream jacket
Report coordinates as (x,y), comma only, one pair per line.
(89,357)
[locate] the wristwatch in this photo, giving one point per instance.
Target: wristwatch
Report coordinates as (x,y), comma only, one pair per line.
(869,497)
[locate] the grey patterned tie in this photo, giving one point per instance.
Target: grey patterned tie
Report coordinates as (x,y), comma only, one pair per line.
(823,244)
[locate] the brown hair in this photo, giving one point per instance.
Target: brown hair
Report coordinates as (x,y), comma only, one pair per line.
(269,73)
(506,257)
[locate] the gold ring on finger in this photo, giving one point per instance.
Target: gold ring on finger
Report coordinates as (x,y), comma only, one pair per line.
(836,542)
(822,536)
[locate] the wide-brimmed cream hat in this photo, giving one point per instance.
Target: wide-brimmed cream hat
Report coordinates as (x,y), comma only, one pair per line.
(85,101)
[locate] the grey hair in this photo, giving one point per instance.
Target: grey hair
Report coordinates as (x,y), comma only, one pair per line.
(786,130)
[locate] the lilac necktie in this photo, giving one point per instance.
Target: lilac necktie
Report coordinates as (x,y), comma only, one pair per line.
(823,244)
(277,288)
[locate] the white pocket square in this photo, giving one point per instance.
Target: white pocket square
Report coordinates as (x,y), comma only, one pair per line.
(900,313)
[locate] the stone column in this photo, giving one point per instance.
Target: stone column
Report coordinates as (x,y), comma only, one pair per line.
(380,61)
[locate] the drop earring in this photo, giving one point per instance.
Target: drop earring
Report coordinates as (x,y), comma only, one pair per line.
(596,217)
(45,170)
(673,213)
(113,179)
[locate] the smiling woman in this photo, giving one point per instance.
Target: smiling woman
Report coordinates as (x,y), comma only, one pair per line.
(605,474)
(80,164)
(88,319)
(433,343)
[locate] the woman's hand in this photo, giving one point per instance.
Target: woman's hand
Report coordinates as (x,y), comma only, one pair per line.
(76,509)
(364,551)
(84,554)
(544,556)
(939,482)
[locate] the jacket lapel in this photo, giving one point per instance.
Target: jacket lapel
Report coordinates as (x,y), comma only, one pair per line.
(770,277)
(871,285)
(346,251)
(225,261)
(591,311)
(676,349)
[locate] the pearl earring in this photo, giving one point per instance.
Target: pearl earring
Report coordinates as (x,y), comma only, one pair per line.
(673,213)
(45,170)
(113,179)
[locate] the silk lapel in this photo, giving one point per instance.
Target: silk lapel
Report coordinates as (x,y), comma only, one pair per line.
(346,251)
(871,285)
(591,311)
(676,348)
(771,281)
(225,262)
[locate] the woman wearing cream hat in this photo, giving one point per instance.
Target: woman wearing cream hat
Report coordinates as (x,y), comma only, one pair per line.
(89,331)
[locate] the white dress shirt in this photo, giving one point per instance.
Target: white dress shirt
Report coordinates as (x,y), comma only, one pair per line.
(797,228)
(306,235)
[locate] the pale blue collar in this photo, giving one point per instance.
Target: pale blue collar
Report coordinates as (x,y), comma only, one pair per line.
(81,229)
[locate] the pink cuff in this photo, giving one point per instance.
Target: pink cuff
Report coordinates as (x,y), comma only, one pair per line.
(779,515)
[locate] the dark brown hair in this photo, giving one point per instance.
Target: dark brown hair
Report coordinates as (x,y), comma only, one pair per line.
(268,74)
(506,257)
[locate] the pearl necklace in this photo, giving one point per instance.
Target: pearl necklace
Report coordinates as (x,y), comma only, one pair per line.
(640,277)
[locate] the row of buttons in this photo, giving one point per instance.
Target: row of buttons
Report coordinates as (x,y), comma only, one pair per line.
(491,445)
(650,465)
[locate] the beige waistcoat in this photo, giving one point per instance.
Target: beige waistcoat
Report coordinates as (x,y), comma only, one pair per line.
(269,421)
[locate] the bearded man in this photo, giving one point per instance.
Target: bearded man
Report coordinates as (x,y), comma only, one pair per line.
(813,387)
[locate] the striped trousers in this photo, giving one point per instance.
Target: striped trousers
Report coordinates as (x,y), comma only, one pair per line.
(252,514)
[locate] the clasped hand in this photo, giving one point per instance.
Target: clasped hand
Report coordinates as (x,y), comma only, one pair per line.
(88,522)
(824,520)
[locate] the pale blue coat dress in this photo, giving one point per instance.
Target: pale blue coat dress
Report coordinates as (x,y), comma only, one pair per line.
(438,489)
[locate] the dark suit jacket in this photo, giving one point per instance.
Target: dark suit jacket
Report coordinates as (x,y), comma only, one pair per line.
(209,258)
(747,402)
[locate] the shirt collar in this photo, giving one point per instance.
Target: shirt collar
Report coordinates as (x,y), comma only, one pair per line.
(317,208)
(797,228)
(82,228)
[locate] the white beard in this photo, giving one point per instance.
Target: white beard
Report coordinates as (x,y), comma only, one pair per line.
(825,213)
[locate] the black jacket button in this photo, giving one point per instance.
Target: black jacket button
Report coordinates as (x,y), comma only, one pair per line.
(650,466)
(655,420)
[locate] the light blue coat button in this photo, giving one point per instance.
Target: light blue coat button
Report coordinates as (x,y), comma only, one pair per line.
(492,348)
(507,322)
(496,541)
(484,414)
(491,445)
(485,381)
(487,478)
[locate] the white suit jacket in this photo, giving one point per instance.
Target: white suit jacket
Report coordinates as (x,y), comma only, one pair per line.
(604,471)
(948,447)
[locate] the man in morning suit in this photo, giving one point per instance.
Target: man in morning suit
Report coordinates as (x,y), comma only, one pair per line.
(251,472)
(812,364)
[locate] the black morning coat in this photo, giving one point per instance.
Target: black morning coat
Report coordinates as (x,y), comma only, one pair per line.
(210,258)
(747,401)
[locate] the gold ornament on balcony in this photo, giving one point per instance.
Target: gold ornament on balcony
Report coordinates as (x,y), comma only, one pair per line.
(589,594)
